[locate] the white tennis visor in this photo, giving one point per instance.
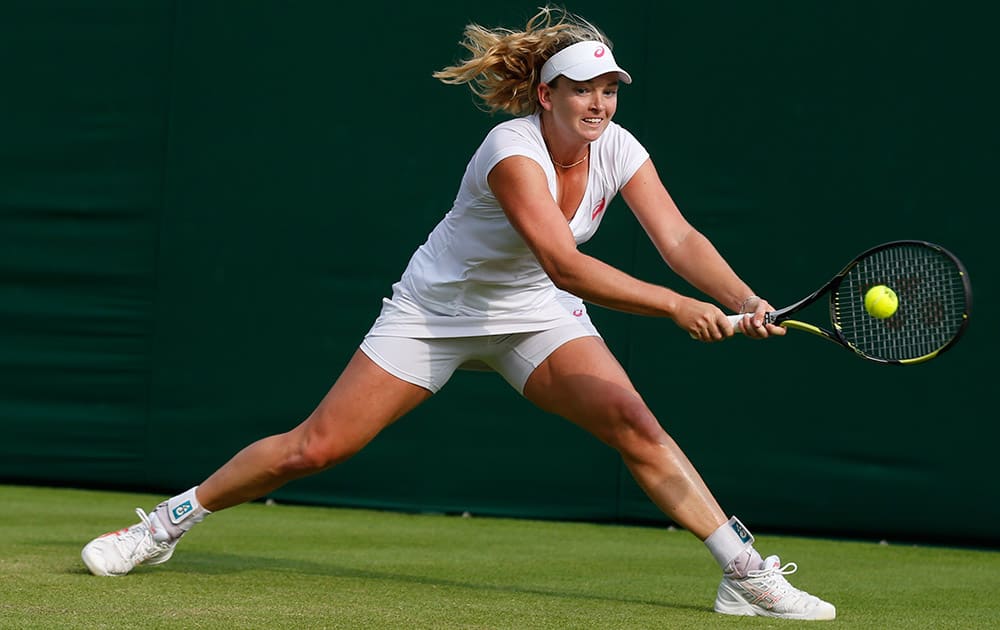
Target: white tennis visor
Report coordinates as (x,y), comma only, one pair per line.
(582,62)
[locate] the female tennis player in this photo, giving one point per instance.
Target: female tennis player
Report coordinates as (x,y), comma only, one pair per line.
(500,283)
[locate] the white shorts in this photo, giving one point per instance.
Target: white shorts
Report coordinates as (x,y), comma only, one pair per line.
(430,362)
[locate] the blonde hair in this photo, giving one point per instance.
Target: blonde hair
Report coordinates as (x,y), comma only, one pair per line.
(504,64)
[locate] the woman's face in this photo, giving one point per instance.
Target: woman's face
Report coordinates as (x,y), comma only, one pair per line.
(581,108)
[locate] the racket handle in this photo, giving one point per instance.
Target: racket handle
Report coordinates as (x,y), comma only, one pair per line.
(734,320)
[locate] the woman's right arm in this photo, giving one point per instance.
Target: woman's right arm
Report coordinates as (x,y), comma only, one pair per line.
(520,186)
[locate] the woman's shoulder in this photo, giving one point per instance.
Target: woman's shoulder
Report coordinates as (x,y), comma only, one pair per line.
(515,136)
(524,127)
(616,132)
(617,139)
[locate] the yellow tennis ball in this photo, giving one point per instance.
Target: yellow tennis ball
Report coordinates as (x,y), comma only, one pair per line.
(881,302)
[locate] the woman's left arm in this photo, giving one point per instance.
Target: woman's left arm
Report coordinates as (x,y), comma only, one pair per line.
(687,251)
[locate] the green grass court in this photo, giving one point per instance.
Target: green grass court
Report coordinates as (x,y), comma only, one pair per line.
(260,566)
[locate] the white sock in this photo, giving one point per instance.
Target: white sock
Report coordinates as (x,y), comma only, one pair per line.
(732,547)
(177,515)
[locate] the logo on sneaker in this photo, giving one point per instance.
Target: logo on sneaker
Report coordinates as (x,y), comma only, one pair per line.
(741,531)
(117,532)
(759,595)
(178,512)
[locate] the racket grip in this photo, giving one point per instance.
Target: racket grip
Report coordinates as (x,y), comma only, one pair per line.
(734,320)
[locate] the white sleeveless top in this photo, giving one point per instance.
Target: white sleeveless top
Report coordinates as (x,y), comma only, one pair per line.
(475,275)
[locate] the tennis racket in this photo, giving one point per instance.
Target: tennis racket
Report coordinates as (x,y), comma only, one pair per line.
(934,301)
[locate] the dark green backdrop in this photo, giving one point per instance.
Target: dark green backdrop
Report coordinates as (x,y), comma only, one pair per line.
(203,203)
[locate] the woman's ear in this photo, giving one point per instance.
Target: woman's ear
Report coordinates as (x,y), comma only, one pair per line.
(545,96)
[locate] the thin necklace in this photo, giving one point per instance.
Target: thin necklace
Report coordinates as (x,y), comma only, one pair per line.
(580,161)
(541,125)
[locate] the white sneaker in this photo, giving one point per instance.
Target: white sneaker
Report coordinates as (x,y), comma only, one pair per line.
(766,593)
(117,553)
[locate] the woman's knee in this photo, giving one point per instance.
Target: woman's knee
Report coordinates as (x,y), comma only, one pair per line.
(633,427)
(307,451)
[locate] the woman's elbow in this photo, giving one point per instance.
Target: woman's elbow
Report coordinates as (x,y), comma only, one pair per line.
(565,273)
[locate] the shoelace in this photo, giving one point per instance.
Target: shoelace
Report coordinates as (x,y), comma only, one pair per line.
(781,585)
(133,544)
(788,569)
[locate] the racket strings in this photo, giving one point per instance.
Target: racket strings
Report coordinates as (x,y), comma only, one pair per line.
(932,303)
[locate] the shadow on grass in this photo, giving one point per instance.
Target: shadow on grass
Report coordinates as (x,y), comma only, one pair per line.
(214,563)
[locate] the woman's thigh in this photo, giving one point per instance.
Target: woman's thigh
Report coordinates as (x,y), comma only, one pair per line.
(364,400)
(584,382)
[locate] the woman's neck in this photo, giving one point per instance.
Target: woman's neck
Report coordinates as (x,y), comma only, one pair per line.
(564,155)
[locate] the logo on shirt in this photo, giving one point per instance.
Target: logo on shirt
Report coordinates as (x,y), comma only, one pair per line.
(598,209)
(599,52)
(578,312)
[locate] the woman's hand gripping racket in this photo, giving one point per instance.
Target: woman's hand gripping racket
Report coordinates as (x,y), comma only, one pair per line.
(923,313)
